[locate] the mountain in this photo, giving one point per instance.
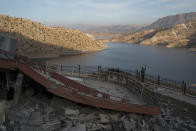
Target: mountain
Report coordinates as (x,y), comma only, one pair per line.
(136,37)
(40,40)
(172,20)
(181,35)
(165,32)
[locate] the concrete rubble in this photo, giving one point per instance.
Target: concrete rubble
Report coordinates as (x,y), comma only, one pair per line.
(41,113)
(2,111)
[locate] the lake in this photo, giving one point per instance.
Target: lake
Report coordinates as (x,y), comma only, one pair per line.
(172,63)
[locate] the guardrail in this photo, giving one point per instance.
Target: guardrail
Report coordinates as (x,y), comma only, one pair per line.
(116,76)
(124,79)
(75,86)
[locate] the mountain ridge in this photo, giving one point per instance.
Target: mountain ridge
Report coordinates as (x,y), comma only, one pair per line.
(181,35)
(171,20)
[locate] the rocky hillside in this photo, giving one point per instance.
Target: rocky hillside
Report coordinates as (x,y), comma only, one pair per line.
(172,20)
(181,35)
(136,37)
(37,39)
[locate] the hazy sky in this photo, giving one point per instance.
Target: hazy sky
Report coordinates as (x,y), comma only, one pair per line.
(54,12)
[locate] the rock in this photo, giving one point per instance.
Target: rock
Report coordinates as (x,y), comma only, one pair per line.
(18,87)
(36,118)
(49,109)
(78,127)
(129,124)
(2,111)
(58,103)
(95,127)
(87,117)
(117,126)
(74,112)
(134,116)
(156,127)
(104,118)
(123,117)
(29,92)
(3,128)
(30,128)
(108,127)
(144,125)
(114,117)
(56,124)
(185,109)
(179,120)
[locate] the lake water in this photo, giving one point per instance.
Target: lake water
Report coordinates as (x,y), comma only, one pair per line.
(171,63)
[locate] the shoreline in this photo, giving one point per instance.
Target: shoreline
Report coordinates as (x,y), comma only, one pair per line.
(53,56)
(192,49)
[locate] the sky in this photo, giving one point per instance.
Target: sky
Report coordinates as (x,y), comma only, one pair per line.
(98,12)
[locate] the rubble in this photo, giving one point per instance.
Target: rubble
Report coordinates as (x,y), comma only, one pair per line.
(73,112)
(2,111)
(129,125)
(87,117)
(37,112)
(104,118)
(35,118)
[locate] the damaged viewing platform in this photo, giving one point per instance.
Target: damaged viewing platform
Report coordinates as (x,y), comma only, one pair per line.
(61,85)
(41,96)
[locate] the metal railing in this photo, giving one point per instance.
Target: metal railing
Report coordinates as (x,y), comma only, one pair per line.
(75,86)
(117,76)
(51,71)
(123,78)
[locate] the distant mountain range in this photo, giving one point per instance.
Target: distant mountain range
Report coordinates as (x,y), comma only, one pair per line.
(107,29)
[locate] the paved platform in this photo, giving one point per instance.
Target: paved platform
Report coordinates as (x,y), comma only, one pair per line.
(120,91)
(172,93)
(111,89)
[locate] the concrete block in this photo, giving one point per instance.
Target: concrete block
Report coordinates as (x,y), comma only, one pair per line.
(129,124)
(74,112)
(104,118)
(2,111)
(36,118)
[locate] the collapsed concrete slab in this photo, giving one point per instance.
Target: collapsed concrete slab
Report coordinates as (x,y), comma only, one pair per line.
(18,87)
(2,111)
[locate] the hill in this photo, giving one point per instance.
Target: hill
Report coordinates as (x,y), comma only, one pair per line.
(35,39)
(136,37)
(181,35)
(172,20)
